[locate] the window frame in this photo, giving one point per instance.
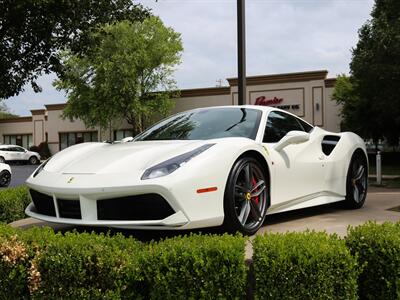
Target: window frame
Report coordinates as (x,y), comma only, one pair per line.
(298,120)
(93,137)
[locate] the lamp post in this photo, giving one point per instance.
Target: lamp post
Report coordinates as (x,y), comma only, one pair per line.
(241,42)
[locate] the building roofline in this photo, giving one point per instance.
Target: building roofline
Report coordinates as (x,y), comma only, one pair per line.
(330,82)
(209,91)
(16,120)
(57,106)
(37,112)
(282,78)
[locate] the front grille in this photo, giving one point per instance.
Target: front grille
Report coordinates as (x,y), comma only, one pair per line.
(132,208)
(70,209)
(44,204)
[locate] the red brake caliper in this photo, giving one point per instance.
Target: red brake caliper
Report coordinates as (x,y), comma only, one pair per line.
(253,181)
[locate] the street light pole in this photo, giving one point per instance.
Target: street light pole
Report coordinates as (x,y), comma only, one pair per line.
(241,42)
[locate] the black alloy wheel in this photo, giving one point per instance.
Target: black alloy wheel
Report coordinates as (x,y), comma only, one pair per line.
(357,181)
(246,197)
(33,160)
(5,178)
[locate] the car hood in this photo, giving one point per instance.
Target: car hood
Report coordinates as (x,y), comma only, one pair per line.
(94,158)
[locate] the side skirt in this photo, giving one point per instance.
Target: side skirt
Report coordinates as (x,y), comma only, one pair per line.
(307,201)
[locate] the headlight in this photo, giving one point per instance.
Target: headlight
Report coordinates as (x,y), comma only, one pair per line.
(170,165)
(40,168)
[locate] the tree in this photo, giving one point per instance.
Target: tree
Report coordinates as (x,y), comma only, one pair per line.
(5,113)
(375,70)
(33,31)
(354,110)
(121,77)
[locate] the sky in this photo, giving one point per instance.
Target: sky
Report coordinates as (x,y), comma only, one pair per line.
(282,36)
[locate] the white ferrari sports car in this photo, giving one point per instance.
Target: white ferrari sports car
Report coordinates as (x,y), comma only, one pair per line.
(214,166)
(5,175)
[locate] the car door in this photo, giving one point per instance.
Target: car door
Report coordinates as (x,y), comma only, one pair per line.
(21,153)
(10,153)
(297,168)
(5,153)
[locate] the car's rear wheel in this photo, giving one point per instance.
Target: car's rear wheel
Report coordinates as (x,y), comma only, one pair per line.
(5,178)
(2,160)
(357,181)
(246,197)
(33,160)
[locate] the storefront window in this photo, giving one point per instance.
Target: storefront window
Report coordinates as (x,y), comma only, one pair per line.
(23,140)
(71,138)
(123,133)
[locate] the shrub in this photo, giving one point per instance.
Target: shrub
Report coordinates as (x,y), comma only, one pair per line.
(39,264)
(197,267)
(305,265)
(90,266)
(13,202)
(34,149)
(14,265)
(43,150)
(378,250)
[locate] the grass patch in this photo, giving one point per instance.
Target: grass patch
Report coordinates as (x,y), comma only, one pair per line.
(386,169)
(387,183)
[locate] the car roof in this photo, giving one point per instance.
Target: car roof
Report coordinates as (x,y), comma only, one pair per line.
(5,145)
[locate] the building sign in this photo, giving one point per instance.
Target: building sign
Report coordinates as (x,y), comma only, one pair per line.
(289,99)
(262,100)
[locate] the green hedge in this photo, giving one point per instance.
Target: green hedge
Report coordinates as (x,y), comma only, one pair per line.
(309,265)
(40,264)
(378,250)
(13,202)
(197,267)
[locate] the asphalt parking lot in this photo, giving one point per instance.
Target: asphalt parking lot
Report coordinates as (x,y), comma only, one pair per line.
(20,173)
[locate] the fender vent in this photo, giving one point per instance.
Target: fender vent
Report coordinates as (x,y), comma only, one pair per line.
(329,143)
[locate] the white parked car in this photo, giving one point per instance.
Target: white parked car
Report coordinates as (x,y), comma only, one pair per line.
(228,166)
(18,153)
(5,175)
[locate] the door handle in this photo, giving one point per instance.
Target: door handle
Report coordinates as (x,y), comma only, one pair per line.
(321,157)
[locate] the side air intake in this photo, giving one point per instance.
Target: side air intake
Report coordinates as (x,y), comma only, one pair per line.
(329,143)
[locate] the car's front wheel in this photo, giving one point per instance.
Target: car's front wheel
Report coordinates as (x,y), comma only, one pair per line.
(5,178)
(246,197)
(33,160)
(357,181)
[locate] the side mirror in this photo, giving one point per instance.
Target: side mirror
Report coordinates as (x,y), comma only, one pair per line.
(292,137)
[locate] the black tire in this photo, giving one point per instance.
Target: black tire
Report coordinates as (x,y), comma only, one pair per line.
(246,197)
(356,181)
(2,160)
(5,178)
(33,160)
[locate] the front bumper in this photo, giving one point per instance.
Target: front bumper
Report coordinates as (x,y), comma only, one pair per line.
(190,209)
(178,219)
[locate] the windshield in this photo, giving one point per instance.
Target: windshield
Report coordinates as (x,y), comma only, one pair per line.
(206,124)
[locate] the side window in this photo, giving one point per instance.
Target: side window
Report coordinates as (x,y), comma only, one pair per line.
(278,125)
(307,127)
